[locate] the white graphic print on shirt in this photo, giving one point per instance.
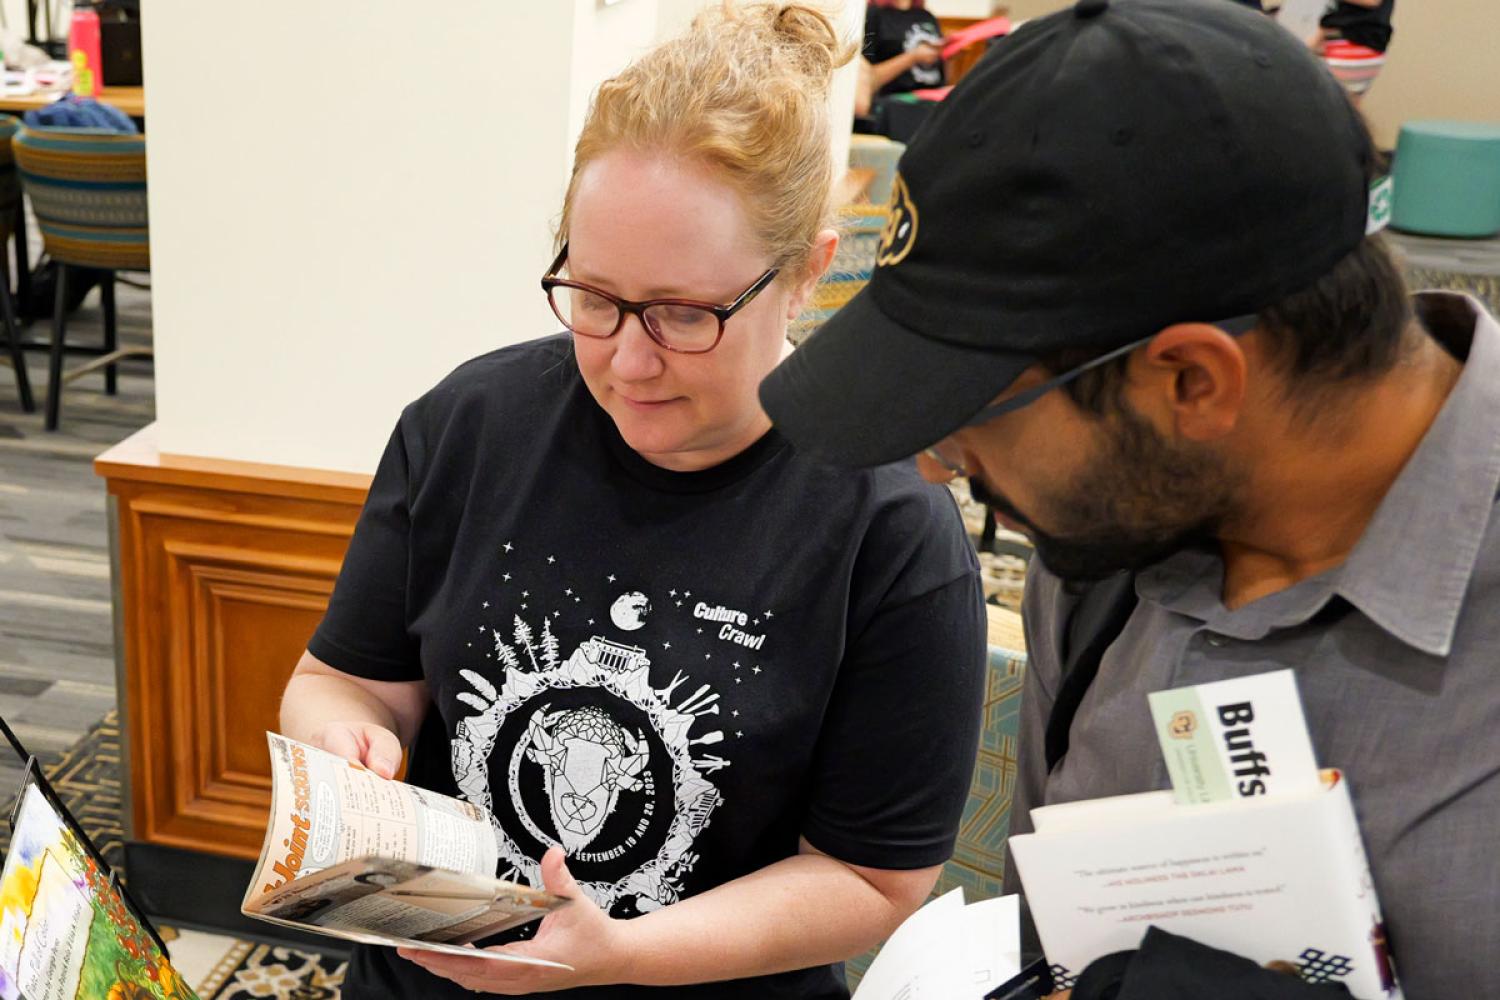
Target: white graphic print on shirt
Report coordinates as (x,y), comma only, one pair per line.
(590,754)
(923,34)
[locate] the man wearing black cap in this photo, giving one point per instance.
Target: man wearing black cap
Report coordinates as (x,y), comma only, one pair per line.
(1131,288)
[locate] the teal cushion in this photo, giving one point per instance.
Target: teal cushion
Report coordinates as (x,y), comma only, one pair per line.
(1447,179)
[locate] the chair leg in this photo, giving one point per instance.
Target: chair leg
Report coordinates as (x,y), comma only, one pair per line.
(13,335)
(23,259)
(55,362)
(111,333)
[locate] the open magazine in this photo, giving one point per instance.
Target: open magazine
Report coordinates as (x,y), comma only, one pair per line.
(356,856)
(67,929)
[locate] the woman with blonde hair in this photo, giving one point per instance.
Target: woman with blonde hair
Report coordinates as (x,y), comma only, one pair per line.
(723,696)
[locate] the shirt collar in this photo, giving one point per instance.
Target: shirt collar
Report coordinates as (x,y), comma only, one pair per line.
(1410,569)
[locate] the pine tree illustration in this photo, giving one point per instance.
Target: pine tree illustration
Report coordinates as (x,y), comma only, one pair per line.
(549,644)
(504,653)
(523,639)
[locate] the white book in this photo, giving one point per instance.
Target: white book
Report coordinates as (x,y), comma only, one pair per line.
(1276,879)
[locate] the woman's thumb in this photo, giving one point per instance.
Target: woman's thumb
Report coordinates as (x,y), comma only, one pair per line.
(556,878)
(383,751)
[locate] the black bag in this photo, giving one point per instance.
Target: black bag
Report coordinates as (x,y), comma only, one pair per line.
(43,298)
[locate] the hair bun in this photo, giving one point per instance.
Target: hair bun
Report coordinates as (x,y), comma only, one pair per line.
(743,92)
(812,31)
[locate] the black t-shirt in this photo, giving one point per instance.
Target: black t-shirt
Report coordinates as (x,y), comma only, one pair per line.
(890,32)
(673,674)
(1367,26)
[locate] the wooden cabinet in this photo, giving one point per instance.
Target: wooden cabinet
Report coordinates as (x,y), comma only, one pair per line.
(222,571)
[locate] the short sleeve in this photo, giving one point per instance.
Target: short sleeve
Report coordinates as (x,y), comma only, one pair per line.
(364,632)
(872,26)
(896,753)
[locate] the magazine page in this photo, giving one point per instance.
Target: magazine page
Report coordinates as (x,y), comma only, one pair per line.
(398,903)
(65,932)
(326,810)
(350,854)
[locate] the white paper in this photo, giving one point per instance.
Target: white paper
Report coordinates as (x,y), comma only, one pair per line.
(948,951)
(1301,17)
(922,960)
(992,932)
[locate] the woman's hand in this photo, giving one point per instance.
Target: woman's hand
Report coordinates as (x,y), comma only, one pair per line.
(578,934)
(926,54)
(367,743)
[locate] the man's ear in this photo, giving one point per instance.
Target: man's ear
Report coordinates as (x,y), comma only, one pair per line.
(1195,376)
(825,244)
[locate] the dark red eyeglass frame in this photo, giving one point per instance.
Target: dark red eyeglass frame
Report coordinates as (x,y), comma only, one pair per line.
(628,307)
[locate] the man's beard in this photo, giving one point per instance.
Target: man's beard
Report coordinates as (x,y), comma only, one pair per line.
(1140,500)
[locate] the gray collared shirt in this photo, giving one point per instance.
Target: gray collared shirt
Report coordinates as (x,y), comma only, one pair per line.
(1397,654)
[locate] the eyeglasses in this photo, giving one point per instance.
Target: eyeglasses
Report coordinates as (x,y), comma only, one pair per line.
(946,454)
(686,326)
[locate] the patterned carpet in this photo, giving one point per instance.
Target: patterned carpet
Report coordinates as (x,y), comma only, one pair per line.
(87,779)
(1471,266)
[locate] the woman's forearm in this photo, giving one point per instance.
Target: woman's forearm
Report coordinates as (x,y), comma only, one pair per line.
(805,911)
(311,701)
(883,73)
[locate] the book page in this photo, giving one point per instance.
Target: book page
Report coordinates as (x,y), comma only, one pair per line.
(65,932)
(326,810)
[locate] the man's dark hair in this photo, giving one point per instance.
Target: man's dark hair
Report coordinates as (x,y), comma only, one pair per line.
(1348,325)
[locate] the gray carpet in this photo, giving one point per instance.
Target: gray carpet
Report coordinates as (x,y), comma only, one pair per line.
(57,671)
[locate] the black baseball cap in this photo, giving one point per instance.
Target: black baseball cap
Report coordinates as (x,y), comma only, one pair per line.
(1104,172)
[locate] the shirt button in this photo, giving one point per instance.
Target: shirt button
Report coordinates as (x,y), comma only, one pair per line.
(1216,640)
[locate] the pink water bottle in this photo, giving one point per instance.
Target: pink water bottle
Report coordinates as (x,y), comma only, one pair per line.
(83,51)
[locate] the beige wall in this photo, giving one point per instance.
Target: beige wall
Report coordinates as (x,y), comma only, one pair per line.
(1443,63)
(1444,60)
(336,226)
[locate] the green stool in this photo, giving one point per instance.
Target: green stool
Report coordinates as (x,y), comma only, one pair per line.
(1447,179)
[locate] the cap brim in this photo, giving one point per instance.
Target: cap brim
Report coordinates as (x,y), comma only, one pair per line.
(865,390)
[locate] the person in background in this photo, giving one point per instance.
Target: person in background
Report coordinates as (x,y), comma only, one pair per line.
(904,47)
(724,697)
(1162,335)
(1356,35)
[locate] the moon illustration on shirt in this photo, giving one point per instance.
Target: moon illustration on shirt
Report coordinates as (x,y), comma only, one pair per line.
(630,610)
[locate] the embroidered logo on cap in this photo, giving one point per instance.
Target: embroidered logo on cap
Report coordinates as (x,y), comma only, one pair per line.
(900,232)
(1382,196)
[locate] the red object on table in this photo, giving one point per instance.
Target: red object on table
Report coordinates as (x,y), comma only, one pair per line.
(84,52)
(983,31)
(932,93)
(1350,51)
